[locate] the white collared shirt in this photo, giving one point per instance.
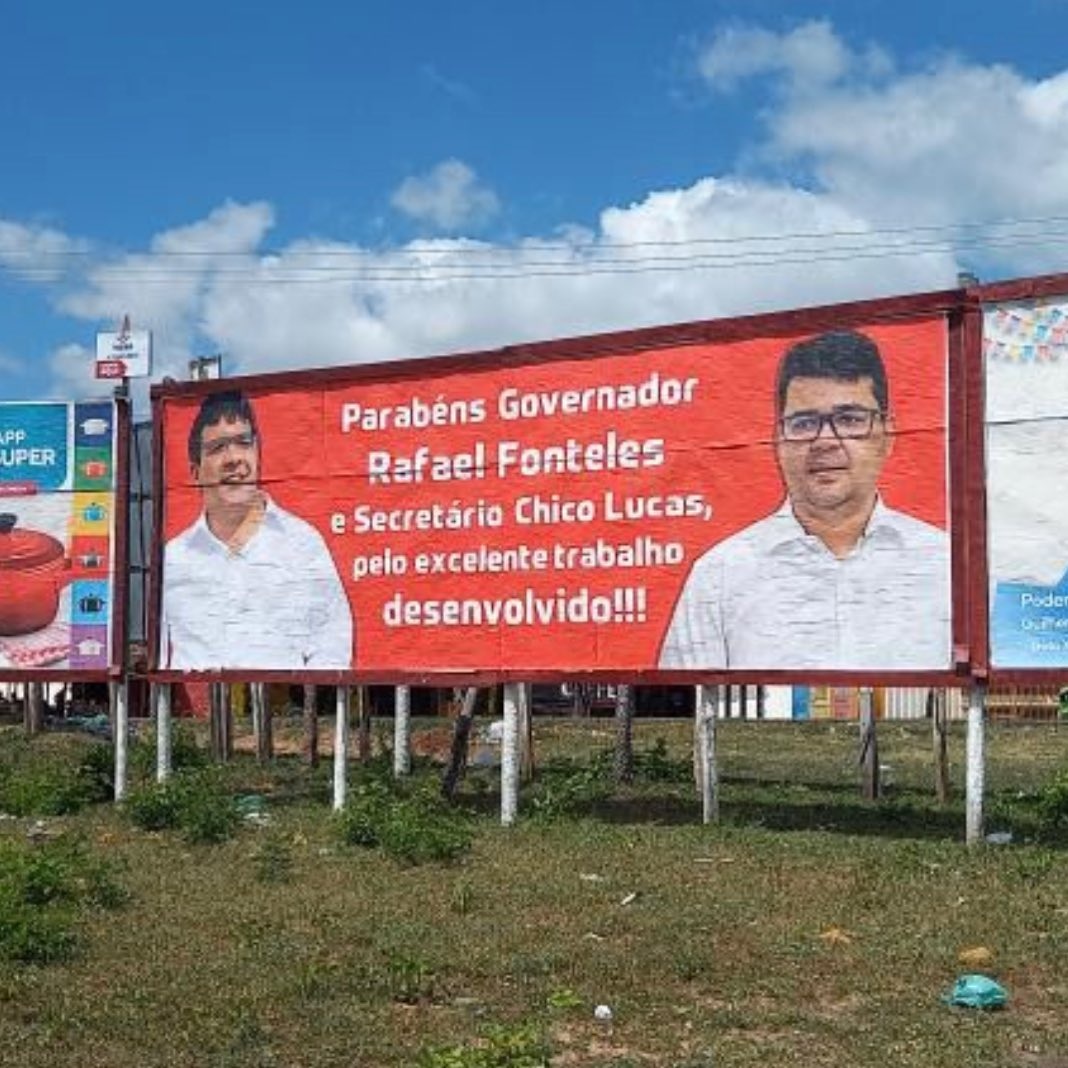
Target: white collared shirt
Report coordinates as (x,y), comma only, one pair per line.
(275,604)
(773,596)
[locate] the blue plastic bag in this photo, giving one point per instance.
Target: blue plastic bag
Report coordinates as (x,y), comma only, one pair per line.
(977,992)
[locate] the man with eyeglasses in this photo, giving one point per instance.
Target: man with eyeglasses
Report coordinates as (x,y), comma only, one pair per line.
(833,579)
(248,585)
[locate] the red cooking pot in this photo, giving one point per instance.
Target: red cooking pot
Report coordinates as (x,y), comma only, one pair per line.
(33,570)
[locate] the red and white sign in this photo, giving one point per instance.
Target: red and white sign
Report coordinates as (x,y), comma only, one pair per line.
(539,516)
(126,354)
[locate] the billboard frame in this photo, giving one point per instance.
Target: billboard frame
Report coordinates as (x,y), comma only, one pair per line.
(952,304)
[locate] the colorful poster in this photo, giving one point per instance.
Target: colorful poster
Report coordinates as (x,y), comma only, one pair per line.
(57,536)
(1025,348)
(771,503)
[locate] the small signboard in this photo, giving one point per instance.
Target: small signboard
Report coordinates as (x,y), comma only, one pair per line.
(126,354)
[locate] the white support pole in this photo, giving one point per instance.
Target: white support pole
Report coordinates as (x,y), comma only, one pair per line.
(119,721)
(162,694)
(707,707)
(341,748)
(976,767)
(402,731)
(510,754)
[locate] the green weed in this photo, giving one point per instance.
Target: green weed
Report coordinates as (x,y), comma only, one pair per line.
(274,860)
(197,803)
(412,827)
(53,777)
(518,1046)
(43,889)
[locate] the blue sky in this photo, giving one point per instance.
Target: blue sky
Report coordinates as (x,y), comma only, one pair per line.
(299,185)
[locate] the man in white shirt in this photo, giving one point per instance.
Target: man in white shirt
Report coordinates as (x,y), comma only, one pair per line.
(833,579)
(248,585)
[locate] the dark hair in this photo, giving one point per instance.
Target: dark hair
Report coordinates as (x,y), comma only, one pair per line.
(227,406)
(844,355)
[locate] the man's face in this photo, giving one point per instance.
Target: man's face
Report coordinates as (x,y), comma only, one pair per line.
(832,471)
(229,466)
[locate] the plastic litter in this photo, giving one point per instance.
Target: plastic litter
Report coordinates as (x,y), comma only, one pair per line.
(977,992)
(253,809)
(602,1013)
(999,838)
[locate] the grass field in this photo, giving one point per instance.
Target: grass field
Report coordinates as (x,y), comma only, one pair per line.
(808,928)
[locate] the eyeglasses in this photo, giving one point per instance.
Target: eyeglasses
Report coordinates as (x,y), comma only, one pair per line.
(849,422)
(217,446)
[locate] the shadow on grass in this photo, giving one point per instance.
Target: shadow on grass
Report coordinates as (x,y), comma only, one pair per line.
(899,815)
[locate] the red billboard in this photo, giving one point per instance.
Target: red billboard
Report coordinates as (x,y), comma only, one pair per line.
(770,499)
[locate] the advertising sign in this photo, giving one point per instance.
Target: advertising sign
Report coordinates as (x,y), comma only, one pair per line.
(770,503)
(57,535)
(126,354)
(1025,348)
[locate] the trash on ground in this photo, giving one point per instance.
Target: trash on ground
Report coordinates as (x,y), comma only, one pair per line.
(999,838)
(602,1013)
(976,957)
(835,936)
(977,992)
(253,809)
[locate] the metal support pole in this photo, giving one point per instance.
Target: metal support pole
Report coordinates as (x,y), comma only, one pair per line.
(510,754)
(976,770)
(402,731)
(341,748)
(162,703)
(120,724)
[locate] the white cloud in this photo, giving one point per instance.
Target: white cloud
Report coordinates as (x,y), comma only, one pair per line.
(449,197)
(74,373)
(949,143)
(451,295)
(810,55)
(36,253)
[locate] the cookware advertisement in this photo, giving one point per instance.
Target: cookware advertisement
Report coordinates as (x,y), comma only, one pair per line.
(57,503)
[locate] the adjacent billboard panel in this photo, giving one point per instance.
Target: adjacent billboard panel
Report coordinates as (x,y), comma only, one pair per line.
(775,502)
(1025,348)
(57,536)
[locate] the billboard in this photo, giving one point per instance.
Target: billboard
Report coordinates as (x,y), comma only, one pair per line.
(772,502)
(1025,350)
(57,536)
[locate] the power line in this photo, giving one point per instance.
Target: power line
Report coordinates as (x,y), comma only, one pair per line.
(441,273)
(449,246)
(588,261)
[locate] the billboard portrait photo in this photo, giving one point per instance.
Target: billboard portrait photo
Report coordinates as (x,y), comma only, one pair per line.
(770,500)
(247,584)
(1025,350)
(57,536)
(834,578)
